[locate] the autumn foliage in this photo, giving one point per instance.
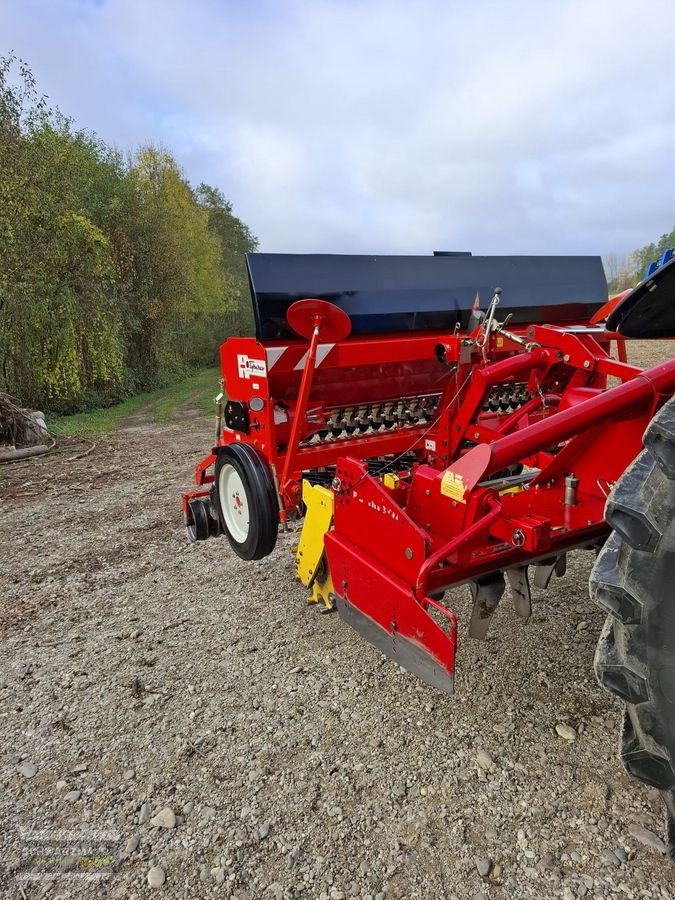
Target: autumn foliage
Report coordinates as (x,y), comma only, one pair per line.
(115,274)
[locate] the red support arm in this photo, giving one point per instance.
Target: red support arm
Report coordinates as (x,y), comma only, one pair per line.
(299,416)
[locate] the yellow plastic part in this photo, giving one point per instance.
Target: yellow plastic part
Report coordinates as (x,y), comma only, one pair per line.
(516,489)
(311,564)
(391,480)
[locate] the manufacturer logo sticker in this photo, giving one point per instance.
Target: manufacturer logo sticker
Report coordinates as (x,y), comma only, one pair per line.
(251,367)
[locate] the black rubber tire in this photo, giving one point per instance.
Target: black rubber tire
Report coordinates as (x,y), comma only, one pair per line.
(197,520)
(261,498)
(634,580)
(200,522)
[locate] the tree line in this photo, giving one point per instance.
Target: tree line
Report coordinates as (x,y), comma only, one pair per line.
(116,275)
(625,271)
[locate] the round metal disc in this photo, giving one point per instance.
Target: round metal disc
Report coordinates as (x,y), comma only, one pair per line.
(234,503)
(334,323)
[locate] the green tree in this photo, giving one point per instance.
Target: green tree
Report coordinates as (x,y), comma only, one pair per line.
(236,239)
(641,258)
(179,282)
(114,275)
(59,329)
(623,273)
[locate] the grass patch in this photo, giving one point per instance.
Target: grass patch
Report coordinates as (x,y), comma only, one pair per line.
(161,405)
(202,388)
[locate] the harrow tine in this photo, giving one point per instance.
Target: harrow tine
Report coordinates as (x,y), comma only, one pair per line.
(520,589)
(486,593)
(545,570)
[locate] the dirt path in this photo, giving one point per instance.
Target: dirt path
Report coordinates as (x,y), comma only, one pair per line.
(139,672)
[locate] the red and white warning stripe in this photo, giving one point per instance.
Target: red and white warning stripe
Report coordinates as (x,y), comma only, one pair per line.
(274,354)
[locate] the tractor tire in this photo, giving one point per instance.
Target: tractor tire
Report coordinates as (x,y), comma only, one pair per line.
(246,501)
(634,580)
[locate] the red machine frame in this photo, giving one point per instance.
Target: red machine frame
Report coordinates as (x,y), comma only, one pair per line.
(491,490)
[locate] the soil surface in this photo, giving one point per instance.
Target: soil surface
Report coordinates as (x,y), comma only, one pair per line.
(172,715)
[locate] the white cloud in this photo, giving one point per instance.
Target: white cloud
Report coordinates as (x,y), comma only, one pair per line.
(383,125)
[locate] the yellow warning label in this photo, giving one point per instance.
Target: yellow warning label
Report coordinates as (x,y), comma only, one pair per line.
(453,485)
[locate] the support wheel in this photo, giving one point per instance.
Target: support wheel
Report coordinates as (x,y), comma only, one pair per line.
(246,502)
(633,580)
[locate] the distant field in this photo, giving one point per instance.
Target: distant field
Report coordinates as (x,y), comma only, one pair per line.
(159,406)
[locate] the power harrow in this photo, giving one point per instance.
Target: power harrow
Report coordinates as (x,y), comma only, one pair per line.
(457,419)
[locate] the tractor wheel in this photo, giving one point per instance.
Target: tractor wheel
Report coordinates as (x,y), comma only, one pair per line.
(634,579)
(246,501)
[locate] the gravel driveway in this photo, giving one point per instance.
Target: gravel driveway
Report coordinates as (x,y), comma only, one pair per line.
(173,715)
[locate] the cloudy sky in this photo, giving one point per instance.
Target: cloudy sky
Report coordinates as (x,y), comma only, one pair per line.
(521,126)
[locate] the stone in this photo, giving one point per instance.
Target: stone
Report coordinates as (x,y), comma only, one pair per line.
(483,864)
(646,837)
(497,871)
(610,859)
(61,786)
(218,874)
(28,769)
(73,796)
(566,732)
(621,854)
(484,761)
(264,830)
(165,818)
(144,814)
(156,877)
(188,807)
(132,844)
(128,774)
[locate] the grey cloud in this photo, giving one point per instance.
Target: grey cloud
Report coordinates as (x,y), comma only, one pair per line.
(383,125)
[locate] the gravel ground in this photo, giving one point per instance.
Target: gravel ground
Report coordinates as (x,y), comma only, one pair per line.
(185,718)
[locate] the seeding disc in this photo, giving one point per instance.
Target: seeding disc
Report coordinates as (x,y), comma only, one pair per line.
(334,323)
